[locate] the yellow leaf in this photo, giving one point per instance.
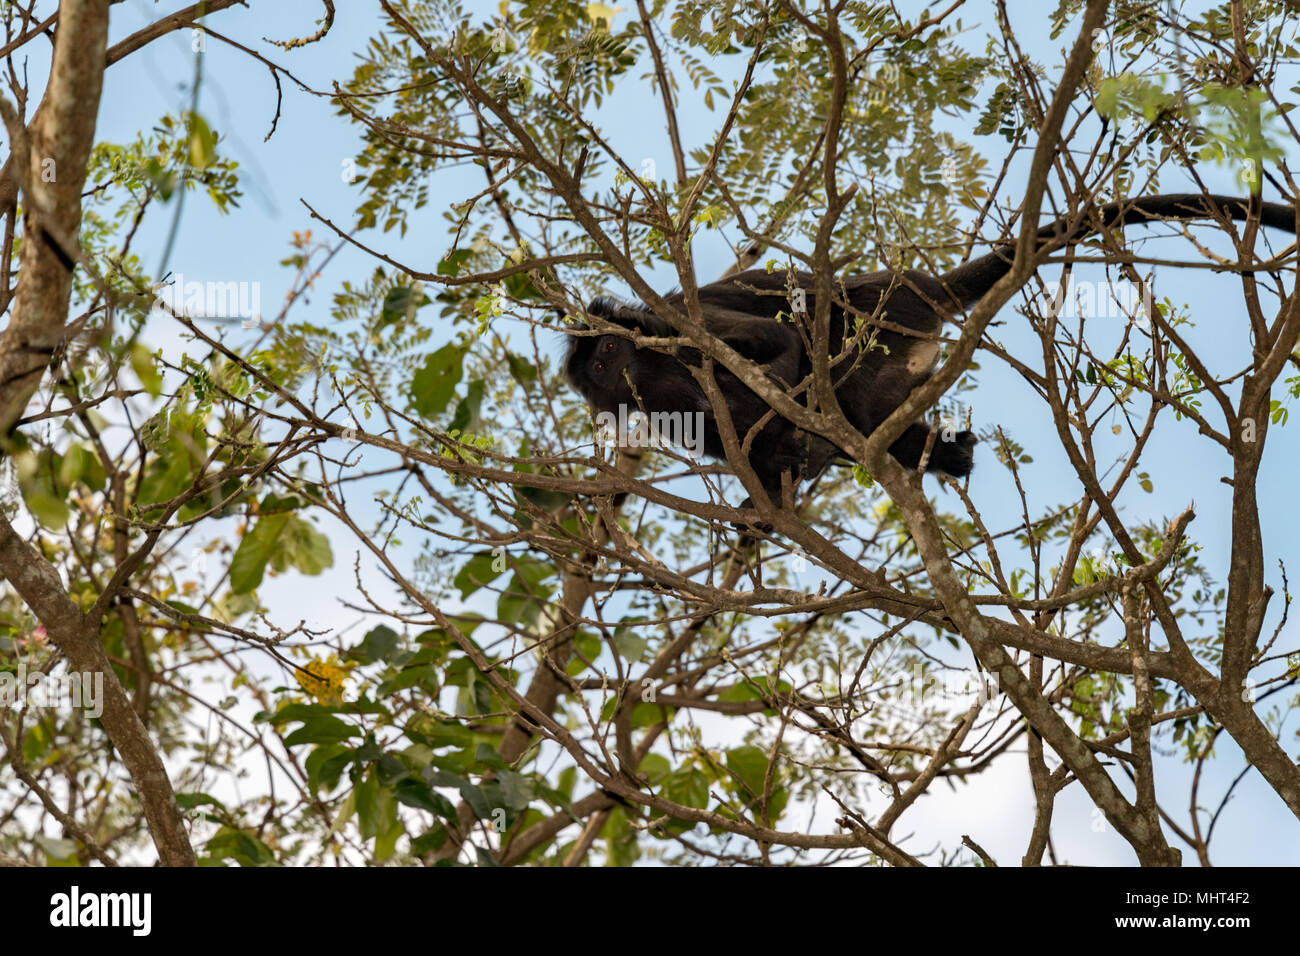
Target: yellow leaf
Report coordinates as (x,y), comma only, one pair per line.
(323,678)
(602,11)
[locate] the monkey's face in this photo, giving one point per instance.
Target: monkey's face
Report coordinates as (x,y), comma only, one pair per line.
(610,355)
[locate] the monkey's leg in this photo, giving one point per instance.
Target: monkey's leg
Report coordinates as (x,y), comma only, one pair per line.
(771,479)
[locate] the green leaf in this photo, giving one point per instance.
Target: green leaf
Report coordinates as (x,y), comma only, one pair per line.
(325,765)
(544,498)
(379,644)
(243,848)
(520,286)
(81,464)
(57,849)
(202,143)
(418,794)
(478,571)
(863,477)
(478,801)
(741,691)
(523,371)
(522,600)
(43,497)
(187,801)
(306,548)
(587,647)
(1130,94)
(749,763)
(451,263)
(516,790)
(281,540)
(386,842)
(421,674)
(143,364)
(629,644)
(435,382)
(374,804)
(689,787)
(467,419)
(645,714)
(402,303)
(321,729)
(180,443)
(655,767)
(429,842)
(437,733)
(162,179)
(165,477)
(254,552)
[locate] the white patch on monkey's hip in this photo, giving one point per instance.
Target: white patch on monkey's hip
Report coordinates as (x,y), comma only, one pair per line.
(922,357)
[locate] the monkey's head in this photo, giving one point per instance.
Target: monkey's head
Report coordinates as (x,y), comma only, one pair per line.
(595,364)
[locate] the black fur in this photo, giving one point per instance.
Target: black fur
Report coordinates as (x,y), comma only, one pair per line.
(870,382)
(610,371)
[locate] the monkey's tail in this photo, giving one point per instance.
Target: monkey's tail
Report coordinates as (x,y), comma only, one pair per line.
(969,281)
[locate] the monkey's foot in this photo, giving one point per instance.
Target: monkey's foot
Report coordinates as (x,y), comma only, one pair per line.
(746,528)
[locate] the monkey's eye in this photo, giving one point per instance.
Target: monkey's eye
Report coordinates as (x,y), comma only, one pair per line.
(600,366)
(609,346)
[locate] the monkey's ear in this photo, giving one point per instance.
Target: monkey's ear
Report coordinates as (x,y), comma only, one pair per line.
(603,307)
(611,310)
(635,318)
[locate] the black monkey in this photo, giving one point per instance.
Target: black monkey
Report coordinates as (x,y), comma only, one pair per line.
(907,309)
(609,371)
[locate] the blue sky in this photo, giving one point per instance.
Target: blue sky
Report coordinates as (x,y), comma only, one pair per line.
(305,158)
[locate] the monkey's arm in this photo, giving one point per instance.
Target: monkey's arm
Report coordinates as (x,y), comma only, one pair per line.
(757,337)
(760,338)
